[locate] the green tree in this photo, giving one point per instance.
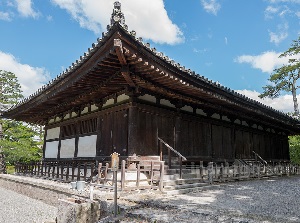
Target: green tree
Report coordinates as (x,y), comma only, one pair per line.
(20,143)
(295,149)
(17,139)
(285,78)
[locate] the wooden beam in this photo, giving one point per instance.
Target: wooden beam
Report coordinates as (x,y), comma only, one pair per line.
(119,51)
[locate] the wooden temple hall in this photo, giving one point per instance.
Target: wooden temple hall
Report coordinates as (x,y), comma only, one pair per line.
(123,95)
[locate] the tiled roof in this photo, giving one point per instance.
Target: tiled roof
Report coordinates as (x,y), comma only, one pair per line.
(117,19)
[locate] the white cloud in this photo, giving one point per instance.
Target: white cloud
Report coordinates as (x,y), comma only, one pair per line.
(211,6)
(49,18)
(266,62)
(148,18)
(277,37)
(24,7)
(283,103)
(30,78)
(281,35)
(284,1)
(5,16)
(271,11)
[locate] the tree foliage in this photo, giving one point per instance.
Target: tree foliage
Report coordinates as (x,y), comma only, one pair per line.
(19,143)
(285,78)
(10,89)
(18,140)
(295,149)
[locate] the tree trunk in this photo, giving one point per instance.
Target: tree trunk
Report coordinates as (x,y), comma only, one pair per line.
(294,93)
(2,157)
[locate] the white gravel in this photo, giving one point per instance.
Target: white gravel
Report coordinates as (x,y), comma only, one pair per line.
(17,208)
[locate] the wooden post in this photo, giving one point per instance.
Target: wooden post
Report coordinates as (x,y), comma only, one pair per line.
(169,158)
(48,165)
(73,171)
(37,168)
(68,171)
(105,172)
(210,172)
(258,170)
(151,174)
(53,169)
(239,171)
(34,168)
(216,171)
(180,168)
(123,166)
(16,168)
(227,169)
(222,172)
(85,171)
(57,170)
(99,173)
(160,151)
(138,176)
(92,171)
(201,169)
(78,171)
(62,170)
(192,165)
(31,167)
(161,177)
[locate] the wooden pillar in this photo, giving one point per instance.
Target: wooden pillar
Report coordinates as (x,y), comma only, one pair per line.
(44,143)
(133,140)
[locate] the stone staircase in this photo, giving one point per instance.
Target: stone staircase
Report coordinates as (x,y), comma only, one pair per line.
(190,181)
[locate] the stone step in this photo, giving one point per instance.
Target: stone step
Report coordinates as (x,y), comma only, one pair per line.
(171,177)
(182,181)
(191,189)
(184,186)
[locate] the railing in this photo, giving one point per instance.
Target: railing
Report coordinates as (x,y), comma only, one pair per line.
(258,158)
(181,157)
(224,172)
(60,170)
(141,177)
(149,175)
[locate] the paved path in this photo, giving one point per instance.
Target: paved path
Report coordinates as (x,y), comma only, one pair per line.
(17,208)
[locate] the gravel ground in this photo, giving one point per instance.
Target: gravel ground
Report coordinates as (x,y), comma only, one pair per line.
(267,200)
(270,200)
(17,208)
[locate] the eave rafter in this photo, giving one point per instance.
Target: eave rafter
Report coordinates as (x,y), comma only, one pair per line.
(175,80)
(201,103)
(125,68)
(78,99)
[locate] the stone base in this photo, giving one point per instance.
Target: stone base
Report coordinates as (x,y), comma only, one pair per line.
(78,211)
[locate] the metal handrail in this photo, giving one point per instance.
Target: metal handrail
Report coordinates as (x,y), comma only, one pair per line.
(261,159)
(182,158)
(172,149)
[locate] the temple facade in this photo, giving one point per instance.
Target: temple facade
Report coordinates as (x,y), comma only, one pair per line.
(123,94)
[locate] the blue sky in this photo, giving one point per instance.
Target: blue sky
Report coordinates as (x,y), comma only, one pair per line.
(234,42)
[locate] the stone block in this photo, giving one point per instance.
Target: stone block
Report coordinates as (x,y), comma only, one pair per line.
(78,211)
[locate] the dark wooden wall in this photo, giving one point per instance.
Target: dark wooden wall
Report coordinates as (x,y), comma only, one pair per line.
(202,138)
(113,133)
(134,128)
